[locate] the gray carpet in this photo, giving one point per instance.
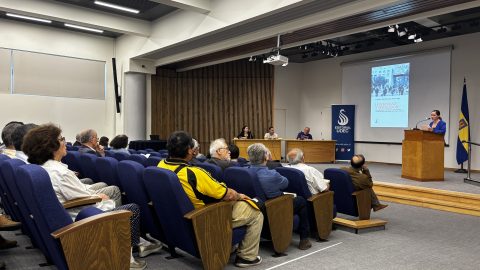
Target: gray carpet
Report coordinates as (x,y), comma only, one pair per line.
(415,238)
(392,173)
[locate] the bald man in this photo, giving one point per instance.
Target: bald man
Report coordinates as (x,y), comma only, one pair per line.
(362,179)
(315,181)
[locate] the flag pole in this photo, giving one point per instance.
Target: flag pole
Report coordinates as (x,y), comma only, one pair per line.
(461,170)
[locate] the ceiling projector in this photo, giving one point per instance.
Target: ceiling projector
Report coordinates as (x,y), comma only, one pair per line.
(276,60)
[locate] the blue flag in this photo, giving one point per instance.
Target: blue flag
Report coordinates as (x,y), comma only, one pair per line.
(463,128)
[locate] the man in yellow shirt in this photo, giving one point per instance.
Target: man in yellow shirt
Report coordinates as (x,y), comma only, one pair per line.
(201,188)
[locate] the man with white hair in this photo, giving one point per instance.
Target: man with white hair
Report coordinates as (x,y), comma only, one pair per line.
(315,181)
(273,183)
(220,154)
(197,156)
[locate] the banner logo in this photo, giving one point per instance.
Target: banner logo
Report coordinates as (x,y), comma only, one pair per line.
(342,118)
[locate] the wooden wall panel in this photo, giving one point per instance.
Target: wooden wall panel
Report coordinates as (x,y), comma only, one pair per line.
(213,102)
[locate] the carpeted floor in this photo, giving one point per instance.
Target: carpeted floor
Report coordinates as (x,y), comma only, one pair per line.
(392,173)
(415,238)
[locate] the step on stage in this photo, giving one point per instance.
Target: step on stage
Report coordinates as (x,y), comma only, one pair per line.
(452,194)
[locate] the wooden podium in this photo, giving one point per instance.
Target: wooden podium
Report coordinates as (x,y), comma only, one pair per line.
(422,156)
(316,151)
(273,145)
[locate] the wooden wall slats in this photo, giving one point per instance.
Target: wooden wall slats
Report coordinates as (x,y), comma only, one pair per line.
(213,102)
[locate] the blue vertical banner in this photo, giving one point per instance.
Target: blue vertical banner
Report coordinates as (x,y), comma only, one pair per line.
(343,130)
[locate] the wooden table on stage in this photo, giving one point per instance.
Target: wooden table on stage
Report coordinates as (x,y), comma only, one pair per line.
(274,146)
(315,151)
(422,156)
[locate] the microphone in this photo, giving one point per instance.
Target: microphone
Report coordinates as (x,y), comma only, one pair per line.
(416,128)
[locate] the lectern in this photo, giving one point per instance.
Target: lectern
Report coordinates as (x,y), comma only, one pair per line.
(422,156)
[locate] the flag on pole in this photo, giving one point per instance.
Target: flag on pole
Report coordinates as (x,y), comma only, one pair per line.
(463,128)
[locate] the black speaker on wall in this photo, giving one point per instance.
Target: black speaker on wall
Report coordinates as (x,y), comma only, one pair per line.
(118,98)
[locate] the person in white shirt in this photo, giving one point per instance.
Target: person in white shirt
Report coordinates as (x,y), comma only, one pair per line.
(315,181)
(46,147)
(271,135)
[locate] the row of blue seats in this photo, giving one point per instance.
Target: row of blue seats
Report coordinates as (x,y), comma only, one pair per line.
(28,196)
(132,151)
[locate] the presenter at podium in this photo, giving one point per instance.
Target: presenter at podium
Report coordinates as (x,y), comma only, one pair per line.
(437,125)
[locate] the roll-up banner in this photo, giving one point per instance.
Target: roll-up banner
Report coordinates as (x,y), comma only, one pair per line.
(343,130)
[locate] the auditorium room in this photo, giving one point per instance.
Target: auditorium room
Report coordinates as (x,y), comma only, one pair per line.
(226,134)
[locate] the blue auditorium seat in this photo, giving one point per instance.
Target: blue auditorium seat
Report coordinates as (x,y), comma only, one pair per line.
(132,151)
(278,213)
(320,206)
(84,244)
(7,175)
(121,156)
(131,178)
(72,159)
(139,158)
(89,169)
(346,199)
(153,161)
(8,168)
(214,170)
(107,171)
(187,228)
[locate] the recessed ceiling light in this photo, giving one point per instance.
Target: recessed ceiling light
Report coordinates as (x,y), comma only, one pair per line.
(84,28)
(105,4)
(28,18)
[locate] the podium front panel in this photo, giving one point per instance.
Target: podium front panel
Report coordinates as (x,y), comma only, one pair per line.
(273,145)
(315,151)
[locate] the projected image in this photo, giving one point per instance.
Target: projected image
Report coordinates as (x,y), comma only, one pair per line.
(389,95)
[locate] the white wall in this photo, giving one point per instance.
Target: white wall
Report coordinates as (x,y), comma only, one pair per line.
(135,110)
(69,113)
(319,86)
(287,97)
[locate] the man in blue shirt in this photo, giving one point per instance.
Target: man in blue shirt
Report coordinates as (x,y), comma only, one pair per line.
(305,134)
(273,183)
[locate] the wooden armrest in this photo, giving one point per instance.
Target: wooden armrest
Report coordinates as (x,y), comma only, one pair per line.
(212,225)
(280,221)
(323,210)
(364,203)
(103,238)
(81,202)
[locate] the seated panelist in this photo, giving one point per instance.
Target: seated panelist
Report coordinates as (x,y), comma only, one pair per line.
(271,135)
(245,133)
(305,134)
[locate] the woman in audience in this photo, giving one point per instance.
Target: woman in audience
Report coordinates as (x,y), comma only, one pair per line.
(103,142)
(119,144)
(45,146)
(245,133)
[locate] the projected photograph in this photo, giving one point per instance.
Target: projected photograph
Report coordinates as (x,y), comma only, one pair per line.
(389,95)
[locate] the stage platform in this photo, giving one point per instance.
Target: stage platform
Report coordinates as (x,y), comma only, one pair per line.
(452,194)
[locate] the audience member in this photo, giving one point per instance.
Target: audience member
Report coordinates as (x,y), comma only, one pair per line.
(234,152)
(362,179)
(89,140)
(207,190)
(77,140)
(220,155)
(315,181)
(103,142)
(272,164)
(45,146)
(273,183)
(119,144)
(305,134)
(17,140)
(8,147)
(245,133)
(197,156)
(271,135)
